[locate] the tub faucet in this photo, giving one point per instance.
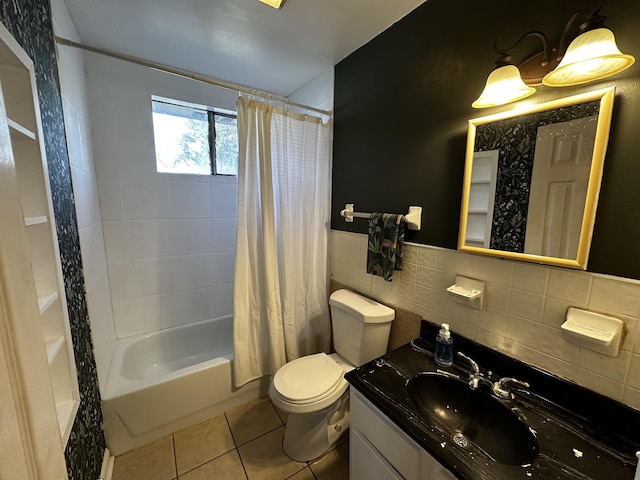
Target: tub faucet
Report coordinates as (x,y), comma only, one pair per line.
(476,378)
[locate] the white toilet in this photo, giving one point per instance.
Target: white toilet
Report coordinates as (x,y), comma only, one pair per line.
(312,389)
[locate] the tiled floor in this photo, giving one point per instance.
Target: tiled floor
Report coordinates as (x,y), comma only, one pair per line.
(241,444)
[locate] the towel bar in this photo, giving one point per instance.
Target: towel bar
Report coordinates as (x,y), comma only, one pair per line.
(413,218)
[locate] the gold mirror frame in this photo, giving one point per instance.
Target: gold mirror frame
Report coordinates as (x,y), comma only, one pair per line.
(605,97)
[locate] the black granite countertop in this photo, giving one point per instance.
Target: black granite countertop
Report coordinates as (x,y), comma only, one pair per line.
(580,434)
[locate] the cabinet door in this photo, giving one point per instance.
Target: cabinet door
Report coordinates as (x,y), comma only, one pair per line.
(388,440)
(365,463)
(380,450)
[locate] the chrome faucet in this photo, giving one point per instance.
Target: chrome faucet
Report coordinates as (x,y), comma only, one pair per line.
(475,377)
(500,388)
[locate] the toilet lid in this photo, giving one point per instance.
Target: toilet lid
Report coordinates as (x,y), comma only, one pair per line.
(308,378)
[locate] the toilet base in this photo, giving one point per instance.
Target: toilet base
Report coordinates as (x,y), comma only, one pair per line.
(308,436)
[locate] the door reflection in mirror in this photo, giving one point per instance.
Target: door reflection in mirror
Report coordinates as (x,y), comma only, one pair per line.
(559,184)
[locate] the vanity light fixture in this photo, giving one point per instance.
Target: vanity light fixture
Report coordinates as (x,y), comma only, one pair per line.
(504,85)
(592,55)
(277,4)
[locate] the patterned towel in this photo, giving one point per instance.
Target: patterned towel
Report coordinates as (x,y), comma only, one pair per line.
(386,234)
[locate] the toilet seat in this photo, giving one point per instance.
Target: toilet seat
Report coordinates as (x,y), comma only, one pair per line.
(310,383)
(308,379)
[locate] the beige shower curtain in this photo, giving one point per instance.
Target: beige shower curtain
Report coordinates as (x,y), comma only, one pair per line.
(280,292)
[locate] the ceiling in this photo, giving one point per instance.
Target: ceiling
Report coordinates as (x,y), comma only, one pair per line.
(240,41)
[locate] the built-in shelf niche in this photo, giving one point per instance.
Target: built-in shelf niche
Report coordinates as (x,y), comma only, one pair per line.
(45,300)
(481,198)
(30,221)
(17,80)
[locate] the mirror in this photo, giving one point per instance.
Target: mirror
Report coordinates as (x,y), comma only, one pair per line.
(532,179)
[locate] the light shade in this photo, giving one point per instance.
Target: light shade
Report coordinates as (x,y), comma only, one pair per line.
(503,85)
(592,55)
(274,3)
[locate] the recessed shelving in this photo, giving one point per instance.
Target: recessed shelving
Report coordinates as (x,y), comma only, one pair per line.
(66,412)
(18,92)
(53,348)
(479,240)
(30,221)
(481,198)
(46,300)
(18,132)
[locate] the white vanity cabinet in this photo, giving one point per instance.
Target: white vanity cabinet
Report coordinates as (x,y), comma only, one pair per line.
(379,450)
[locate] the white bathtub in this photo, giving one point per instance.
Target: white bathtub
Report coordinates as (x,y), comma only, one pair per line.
(161,382)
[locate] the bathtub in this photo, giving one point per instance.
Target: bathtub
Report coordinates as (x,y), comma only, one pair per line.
(161,382)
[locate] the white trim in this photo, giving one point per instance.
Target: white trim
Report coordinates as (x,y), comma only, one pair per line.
(107,465)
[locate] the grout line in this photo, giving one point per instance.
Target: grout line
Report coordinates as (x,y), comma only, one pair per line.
(261,435)
(211,459)
(175,459)
(208,461)
(297,472)
(277,413)
(244,469)
(226,419)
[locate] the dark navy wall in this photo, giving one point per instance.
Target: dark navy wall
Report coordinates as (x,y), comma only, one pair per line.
(29,21)
(403,100)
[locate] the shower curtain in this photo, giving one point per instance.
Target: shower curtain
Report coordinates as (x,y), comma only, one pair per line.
(280,289)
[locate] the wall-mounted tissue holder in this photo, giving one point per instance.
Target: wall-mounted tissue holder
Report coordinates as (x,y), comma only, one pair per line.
(468,291)
(595,331)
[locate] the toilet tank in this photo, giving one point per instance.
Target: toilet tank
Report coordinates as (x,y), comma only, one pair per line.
(360,326)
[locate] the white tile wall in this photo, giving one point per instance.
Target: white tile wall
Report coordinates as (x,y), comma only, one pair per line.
(75,103)
(193,236)
(110,193)
(223,199)
(191,200)
(145,199)
(169,239)
(525,306)
(318,92)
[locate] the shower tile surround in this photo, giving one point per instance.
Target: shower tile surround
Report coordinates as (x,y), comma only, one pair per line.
(168,264)
(75,105)
(524,307)
(169,239)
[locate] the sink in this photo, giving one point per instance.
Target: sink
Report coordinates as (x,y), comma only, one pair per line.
(472,417)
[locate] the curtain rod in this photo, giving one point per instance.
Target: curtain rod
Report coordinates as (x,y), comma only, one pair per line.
(191,75)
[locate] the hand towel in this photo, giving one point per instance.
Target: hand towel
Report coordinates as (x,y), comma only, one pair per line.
(386,236)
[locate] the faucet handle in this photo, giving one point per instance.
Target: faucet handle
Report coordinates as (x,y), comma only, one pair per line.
(475,369)
(501,389)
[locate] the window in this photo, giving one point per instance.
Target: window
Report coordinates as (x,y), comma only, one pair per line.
(194,140)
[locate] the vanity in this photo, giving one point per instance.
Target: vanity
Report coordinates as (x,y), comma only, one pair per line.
(488,416)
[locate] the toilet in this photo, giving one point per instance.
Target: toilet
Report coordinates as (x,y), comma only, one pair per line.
(312,389)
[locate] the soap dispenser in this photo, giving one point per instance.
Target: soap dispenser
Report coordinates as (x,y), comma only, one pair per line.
(444,347)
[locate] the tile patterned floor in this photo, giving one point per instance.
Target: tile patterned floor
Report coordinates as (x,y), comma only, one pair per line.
(241,444)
